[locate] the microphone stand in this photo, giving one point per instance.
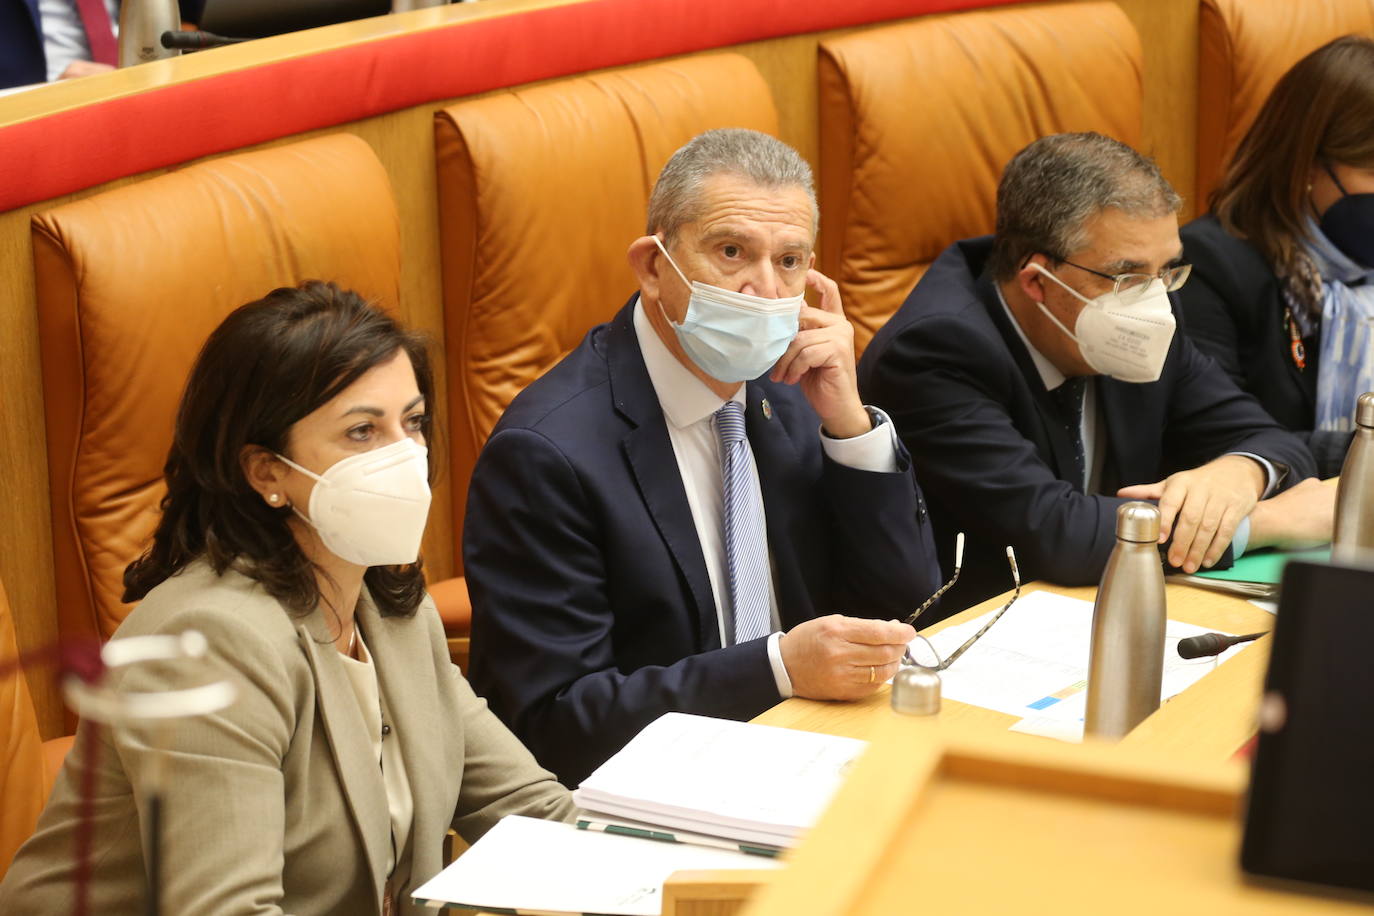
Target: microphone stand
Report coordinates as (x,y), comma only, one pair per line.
(101,702)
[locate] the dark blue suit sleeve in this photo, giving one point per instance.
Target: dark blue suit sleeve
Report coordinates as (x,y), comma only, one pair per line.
(988,475)
(1210,416)
(545,627)
(887,563)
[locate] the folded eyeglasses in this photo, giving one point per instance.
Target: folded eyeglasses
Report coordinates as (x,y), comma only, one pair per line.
(942,664)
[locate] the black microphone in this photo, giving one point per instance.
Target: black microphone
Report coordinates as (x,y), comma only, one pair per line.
(195,40)
(1211,644)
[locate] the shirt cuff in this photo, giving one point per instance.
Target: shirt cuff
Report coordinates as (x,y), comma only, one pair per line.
(1271,475)
(779,669)
(875,450)
(1241,539)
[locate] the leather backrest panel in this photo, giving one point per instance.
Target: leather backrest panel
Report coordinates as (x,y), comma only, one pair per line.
(21,759)
(131,282)
(541,191)
(917,121)
(1244,46)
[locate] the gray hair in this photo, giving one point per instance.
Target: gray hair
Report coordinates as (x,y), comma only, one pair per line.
(764,160)
(1052,188)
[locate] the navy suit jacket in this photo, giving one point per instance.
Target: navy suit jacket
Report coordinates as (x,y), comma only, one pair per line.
(991,451)
(22,60)
(592,608)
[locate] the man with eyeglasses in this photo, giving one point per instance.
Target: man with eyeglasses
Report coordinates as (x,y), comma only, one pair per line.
(1036,378)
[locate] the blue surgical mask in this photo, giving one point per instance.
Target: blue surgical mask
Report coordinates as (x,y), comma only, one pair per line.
(734,337)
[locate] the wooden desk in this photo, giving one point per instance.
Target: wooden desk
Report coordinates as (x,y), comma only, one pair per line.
(1148,823)
(998,824)
(1209,721)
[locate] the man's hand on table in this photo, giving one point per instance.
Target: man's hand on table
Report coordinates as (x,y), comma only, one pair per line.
(1200,509)
(843,658)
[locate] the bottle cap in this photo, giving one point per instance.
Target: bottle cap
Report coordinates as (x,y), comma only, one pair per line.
(1364,409)
(916,691)
(1138,522)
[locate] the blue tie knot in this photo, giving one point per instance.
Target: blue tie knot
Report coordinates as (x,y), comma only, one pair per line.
(730,423)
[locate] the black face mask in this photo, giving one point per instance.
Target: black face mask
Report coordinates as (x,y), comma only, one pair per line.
(1349,224)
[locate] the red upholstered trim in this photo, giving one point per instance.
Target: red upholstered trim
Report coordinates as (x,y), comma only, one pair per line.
(81,148)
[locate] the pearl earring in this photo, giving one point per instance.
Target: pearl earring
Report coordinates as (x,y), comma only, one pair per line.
(274,498)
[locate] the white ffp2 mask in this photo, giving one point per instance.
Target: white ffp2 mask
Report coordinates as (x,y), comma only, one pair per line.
(370,509)
(1128,342)
(734,337)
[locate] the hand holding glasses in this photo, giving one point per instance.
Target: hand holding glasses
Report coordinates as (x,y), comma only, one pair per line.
(941,665)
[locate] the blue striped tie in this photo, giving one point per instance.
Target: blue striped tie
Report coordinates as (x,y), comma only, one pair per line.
(746,535)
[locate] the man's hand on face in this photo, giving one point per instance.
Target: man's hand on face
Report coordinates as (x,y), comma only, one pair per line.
(843,658)
(821,359)
(1200,509)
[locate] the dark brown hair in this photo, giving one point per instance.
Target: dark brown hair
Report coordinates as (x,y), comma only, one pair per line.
(269,364)
(1050,190)
(1321,111)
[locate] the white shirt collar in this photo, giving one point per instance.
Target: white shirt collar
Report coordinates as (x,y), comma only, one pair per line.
(1049,374)
(685,399)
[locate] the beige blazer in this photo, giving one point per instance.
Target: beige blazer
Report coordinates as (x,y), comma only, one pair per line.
(276,804)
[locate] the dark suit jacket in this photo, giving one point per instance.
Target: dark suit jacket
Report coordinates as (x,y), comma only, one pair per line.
(22,60)
(1234,307)
(991,451)
(592,608)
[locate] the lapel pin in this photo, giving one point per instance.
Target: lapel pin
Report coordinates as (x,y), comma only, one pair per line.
(767,410)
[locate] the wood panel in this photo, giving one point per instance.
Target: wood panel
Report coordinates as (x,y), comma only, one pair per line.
(403,141)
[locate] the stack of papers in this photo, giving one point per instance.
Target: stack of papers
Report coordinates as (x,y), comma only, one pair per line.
(688,792)
(1033,663)
(754,784)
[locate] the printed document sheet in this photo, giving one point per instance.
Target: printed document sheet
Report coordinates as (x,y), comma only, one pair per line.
(1033,663)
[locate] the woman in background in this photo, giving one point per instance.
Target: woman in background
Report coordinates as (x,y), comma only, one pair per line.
(1282,289)
(297,491)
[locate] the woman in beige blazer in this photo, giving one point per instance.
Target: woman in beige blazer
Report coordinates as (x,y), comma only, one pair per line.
(297,491)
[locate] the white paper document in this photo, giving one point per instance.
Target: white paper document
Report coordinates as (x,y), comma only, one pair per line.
(526,865)
(1033,663)
(755,783)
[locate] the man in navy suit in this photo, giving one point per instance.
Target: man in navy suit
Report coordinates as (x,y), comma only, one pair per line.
(693,510)
(50,40)
(1039,371)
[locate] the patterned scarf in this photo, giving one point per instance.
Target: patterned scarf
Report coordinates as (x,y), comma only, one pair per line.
(1346,369)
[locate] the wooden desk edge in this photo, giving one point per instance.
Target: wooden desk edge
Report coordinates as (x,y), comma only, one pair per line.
(712,893)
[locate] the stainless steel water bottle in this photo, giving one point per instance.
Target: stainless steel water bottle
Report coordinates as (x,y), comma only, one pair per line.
(141,24)
(1126,665)
(1354,533)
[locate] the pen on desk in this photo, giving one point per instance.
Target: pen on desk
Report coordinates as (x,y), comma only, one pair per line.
(662,836)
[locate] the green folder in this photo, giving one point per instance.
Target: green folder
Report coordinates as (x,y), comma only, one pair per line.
(1265,565)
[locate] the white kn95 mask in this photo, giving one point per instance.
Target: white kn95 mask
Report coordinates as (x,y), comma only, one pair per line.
(370,509)
(1128,342)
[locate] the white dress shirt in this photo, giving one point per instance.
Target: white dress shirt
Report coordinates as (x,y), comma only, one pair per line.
(1093,431)
(689,407)
(64,35)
